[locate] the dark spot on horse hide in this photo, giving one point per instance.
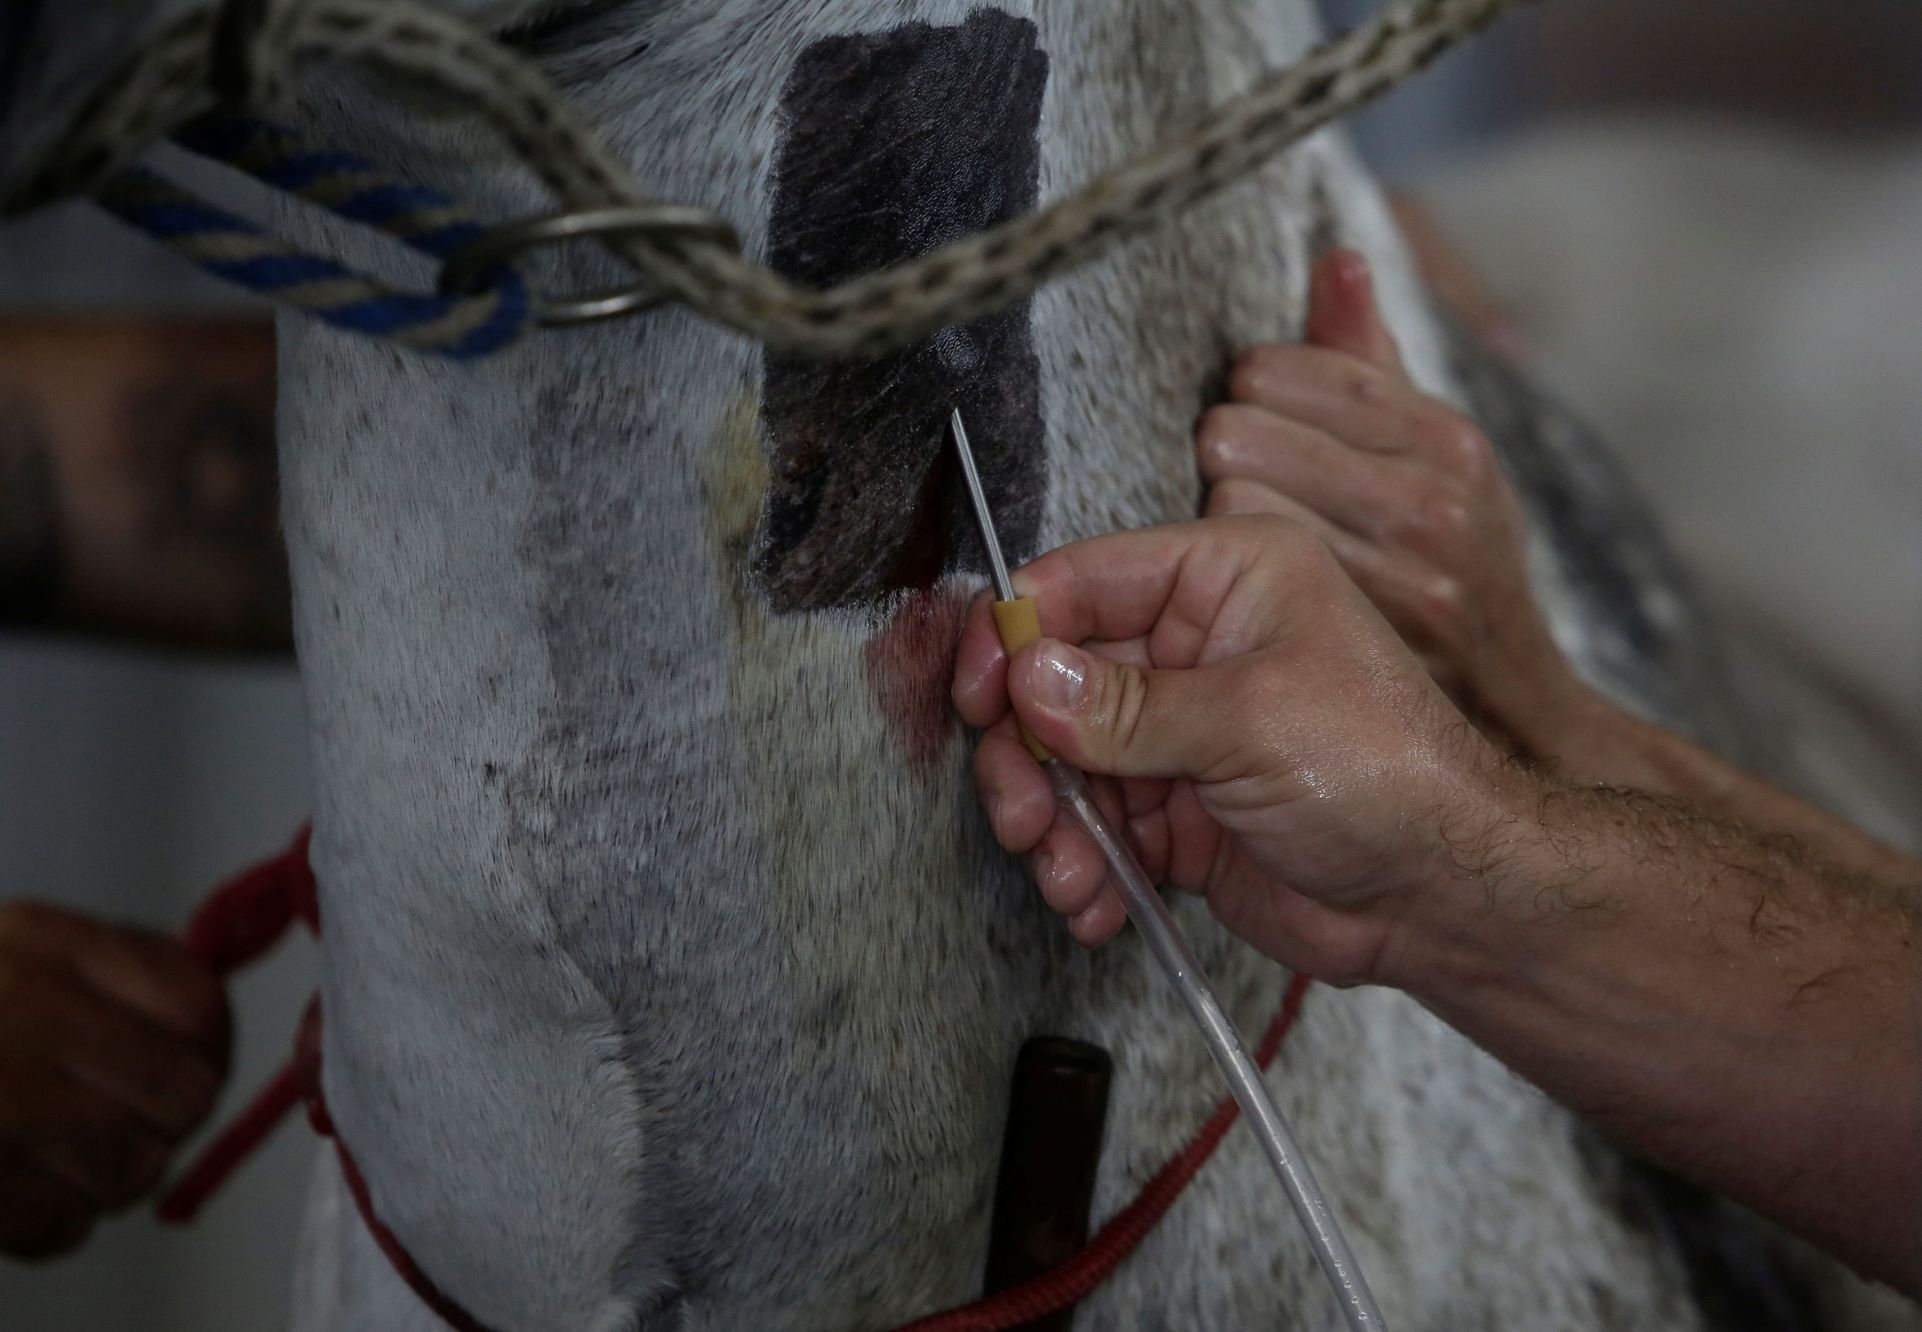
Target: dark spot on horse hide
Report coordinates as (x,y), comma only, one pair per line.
(894,144)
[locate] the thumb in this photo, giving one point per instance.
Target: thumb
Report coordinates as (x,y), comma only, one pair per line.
(1343,315)
(1112,718)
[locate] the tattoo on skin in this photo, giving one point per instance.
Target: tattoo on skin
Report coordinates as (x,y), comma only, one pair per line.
(30,546)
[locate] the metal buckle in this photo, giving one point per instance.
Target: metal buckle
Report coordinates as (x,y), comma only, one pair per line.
(465,272)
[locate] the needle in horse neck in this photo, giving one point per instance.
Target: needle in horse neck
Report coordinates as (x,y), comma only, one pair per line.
(1020,624)
(1003,584)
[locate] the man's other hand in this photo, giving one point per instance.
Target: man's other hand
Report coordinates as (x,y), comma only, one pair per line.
(113,1047)
(1408,494)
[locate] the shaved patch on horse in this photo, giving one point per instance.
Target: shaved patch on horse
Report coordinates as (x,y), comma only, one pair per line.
(896,143)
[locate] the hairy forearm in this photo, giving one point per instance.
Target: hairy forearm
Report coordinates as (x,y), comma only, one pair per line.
(1723,1004)
(1595,743)
(137,481)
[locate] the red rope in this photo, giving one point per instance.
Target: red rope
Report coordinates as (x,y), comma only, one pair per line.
(239,921)
(248,914)
(418,1281)
(238,1141)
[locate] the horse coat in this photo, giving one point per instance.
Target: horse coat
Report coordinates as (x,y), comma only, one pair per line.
(672,977)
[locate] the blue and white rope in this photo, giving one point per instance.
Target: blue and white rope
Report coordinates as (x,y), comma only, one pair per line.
(462,326)
(171,78)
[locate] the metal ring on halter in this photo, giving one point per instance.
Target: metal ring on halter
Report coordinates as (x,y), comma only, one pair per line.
(504,244)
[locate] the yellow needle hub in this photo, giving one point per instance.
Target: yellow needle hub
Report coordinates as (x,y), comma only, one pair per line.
(1017,619)
(1020,625)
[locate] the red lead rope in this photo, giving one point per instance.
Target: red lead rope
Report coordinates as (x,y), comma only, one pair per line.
(246,916)
(236,924)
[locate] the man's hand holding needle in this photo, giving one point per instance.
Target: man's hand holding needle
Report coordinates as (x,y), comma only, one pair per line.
(1745,1008)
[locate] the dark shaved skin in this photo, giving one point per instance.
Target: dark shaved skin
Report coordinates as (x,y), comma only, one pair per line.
(896,143)
(138,496)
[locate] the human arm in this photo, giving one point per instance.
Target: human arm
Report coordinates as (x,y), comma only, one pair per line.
(1716,999)
(1409,494)
(113,1046)
(1741,1013)
(137,484)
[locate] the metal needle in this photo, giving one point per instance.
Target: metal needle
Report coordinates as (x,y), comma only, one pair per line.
(1003,585)
(1170,949)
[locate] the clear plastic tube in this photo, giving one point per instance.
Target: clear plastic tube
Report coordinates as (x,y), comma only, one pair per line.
(1151,917)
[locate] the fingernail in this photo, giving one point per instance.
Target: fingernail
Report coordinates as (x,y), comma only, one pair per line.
(1057,677)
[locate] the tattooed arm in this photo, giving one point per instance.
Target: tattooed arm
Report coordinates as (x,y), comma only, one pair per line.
(137,485)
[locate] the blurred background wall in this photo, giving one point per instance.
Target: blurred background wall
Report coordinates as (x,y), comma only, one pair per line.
(1703,214)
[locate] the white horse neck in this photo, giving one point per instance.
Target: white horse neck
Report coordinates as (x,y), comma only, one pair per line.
(672,980)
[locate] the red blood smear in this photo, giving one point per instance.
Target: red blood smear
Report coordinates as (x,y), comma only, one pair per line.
(909,665)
